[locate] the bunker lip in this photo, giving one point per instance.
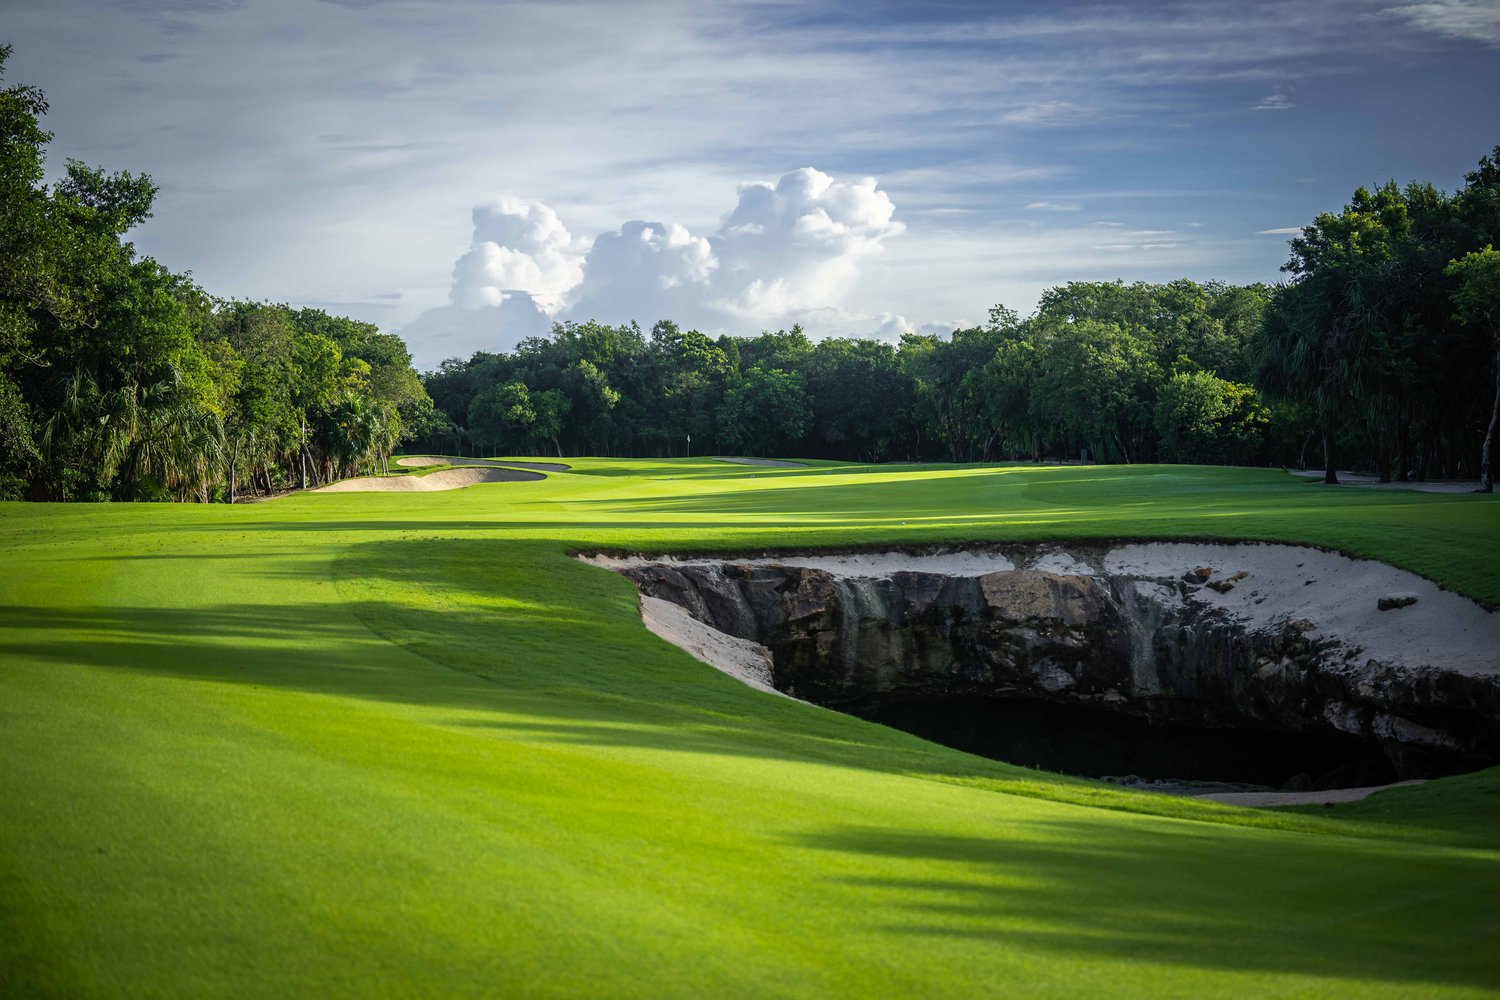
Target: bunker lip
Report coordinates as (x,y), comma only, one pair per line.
(1360,648)
(768,463)
(443,479)
(417,461)
(617,558)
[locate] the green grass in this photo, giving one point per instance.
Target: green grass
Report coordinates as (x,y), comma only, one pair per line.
(369,745)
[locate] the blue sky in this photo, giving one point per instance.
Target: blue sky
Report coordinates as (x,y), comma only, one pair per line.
(466,172)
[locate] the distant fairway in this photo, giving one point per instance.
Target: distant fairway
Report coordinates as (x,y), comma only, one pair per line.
(378,744)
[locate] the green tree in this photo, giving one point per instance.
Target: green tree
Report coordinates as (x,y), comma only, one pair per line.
(502,416)
(765,413)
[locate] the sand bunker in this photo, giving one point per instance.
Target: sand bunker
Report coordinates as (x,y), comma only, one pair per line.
(445,479)
(1371,482)
(770,463)
(416,461)
(1323,798)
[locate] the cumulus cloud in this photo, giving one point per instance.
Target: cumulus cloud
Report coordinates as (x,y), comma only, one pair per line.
(457,332)
(797,244)
(517,246)
(787,251)
(646,271)
(891,326)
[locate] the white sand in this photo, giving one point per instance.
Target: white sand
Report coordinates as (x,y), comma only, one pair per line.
(1372,482)
(1331,795)
(416,461)
(1337,595)
(445,479)
(767,462)
(741,659)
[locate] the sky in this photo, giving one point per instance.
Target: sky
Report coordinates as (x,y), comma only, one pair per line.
(466,173)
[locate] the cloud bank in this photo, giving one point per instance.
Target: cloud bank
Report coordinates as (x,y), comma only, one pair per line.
(787,252)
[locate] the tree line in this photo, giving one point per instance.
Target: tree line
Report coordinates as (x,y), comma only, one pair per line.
(122,380)
(1127,372)
(1381,351)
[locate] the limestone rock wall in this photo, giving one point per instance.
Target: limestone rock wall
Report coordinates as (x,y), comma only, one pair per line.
(1167,646)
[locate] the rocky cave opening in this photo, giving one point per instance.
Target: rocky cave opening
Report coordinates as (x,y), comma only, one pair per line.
(1256,665)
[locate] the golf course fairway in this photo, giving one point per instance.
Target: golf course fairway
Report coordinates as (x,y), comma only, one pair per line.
(401,744)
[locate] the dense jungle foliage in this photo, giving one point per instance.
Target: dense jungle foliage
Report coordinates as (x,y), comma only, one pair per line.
(121,380)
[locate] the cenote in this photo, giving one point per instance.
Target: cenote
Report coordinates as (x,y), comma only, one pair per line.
(1265,665)
(1093,743)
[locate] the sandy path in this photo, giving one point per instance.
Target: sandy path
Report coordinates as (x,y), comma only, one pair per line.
(1328,797)
(446,479)
(1371,482)
(770,463)
(415,461)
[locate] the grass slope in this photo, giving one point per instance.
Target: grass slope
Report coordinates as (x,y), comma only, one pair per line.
(367,745)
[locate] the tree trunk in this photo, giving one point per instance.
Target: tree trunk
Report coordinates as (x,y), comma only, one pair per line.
(1486,475)
(1403,445)
(1382,453)
(1330,477)
(302,452)
(233,455)
(1302,458)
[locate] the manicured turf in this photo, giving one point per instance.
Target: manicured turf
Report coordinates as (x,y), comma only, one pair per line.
(366,745)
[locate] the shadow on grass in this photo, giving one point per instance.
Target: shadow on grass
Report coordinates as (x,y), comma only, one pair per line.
(538,647)
(1160,893)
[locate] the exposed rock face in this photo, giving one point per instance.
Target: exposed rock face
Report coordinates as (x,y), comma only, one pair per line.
(1144,639)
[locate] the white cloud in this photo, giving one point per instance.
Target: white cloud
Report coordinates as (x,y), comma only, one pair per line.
(1053,206)
(516,246)
(891,326)
(457,332)
(1277,101)
(1048,113)
(788,252)
(1471,20)
(797,244)
(1284,231)
(645,271)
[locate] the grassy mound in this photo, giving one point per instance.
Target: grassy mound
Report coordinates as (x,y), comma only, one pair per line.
(385,744)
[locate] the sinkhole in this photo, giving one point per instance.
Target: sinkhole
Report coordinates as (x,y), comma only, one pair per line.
(1252,664)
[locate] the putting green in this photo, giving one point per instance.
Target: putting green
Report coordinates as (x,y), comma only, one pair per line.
(400,744)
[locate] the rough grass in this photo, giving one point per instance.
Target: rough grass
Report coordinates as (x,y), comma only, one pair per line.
(379,744)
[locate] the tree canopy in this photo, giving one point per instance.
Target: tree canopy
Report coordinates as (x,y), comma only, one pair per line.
(122,380)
